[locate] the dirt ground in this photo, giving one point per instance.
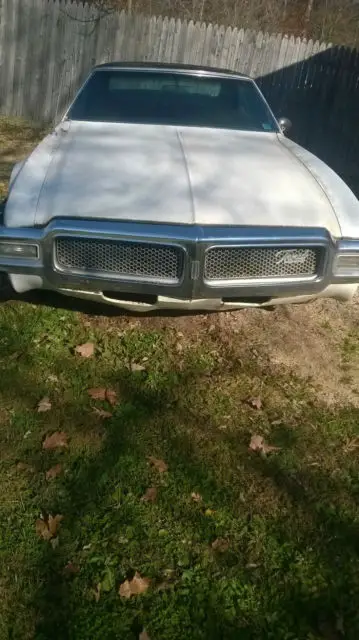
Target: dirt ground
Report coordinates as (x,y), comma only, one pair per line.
(316,342)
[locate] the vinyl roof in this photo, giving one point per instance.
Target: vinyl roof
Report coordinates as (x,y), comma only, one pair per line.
(164,66)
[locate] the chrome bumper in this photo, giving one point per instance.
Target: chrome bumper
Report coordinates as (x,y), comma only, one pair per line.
(43,272)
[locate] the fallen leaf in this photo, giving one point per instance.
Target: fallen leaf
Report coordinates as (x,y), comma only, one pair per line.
(144,635)
(54,523)
(27,434)
(221,545)
(97,393)
(100,393)
(101,413)
(44,405)
(71,568)
(160,465)
(196,497)
(134,587)
(111,397)
(258,443)
(42,529)
(256,403)
(209,512)
(47,528)
(54,472)
(58,439)
(137,367)
(150,495)
(86,350)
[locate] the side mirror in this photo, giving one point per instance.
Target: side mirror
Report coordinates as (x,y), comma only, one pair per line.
(285,125)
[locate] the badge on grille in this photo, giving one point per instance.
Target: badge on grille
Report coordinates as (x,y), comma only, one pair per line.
(292,256)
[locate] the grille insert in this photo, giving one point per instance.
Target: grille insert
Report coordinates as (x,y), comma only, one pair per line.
(138,261)
(257,263)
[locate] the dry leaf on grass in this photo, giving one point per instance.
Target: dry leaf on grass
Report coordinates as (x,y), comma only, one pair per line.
(256,403)
(144,635)
(54,472)
(134,587)
(97,393)
(47,528)
(137,367)
(159,464)
(150,495)
(58,439)
(221,545)
(44,405)
(111,397)
(101,393)
(196,497)
(86,350)
(258,443)
(101,413)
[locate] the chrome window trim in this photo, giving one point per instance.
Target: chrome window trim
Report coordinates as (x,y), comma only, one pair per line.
(152,68)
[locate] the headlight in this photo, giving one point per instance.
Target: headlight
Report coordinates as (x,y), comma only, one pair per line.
(346,264)
(18,250)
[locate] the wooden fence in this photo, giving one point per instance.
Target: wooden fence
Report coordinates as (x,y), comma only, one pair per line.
(48,47)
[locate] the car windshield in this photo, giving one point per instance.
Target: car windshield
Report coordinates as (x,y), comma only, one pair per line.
(170,98)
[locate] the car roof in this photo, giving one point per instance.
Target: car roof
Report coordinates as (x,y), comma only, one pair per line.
(167,66)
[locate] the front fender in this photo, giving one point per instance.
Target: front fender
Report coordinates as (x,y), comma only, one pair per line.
(15,172)
(343,201)
(26,181)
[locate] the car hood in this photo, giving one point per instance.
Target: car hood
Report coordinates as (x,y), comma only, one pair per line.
(179,175)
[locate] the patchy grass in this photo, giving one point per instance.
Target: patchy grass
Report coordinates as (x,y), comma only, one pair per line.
(236,545)
(288,567)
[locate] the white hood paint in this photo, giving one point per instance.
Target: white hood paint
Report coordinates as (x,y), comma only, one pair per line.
(169,175)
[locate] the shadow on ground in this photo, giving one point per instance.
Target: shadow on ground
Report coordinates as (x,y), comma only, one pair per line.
(291,568)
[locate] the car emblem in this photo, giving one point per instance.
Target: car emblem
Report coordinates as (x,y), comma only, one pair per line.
(291,256)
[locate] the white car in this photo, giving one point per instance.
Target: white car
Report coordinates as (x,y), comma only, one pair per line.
(174,187)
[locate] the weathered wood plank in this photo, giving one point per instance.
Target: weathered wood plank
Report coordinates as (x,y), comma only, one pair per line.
(11,12)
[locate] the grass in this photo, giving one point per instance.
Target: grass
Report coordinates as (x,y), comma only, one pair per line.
(287,564)
(290,520)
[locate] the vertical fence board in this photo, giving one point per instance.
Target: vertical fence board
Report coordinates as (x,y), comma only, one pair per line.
(11,12)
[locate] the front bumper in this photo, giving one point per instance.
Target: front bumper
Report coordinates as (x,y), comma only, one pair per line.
(192,292)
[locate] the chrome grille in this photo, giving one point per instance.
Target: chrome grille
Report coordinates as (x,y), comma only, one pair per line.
(257,263)
(138,261)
